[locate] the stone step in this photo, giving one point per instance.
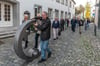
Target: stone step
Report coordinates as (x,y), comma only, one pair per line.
(7,36)
(7,32)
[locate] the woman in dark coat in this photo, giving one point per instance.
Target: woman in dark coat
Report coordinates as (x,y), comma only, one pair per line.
(62,22)
(73,24)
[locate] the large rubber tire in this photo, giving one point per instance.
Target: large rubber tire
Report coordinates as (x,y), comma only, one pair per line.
(18,41)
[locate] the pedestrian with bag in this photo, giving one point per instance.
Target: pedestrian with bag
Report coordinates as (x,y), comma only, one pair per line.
(73,24)
(67,22)
(45,29)
(55,26)
(62,23)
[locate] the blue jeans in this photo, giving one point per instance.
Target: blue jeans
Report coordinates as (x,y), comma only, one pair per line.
(36,40)
(44,48)
(86,26)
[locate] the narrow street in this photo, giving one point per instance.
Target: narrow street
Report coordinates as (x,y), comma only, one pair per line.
(71,49)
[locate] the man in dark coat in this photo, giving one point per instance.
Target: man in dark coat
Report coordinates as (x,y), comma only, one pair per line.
(45,29)
(62,22)
(73,24)
(67,21)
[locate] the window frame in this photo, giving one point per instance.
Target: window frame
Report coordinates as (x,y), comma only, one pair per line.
(57,13)
(50,13)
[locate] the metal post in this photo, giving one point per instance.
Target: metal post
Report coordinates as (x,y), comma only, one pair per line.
(95,30)
(99,16)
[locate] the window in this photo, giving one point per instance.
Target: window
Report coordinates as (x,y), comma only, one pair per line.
(38,9)
(66,2)
(69,15)
(50,13)
(56,13)
(62,14)
(35,11)
(73,6)
(58,1)
(62,1)
(7,12)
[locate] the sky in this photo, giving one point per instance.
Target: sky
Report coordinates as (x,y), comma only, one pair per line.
(83,2)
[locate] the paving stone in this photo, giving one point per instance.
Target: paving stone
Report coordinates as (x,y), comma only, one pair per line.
(71,49)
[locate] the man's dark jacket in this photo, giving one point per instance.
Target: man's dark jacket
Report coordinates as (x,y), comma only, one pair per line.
(45,28)
(62,22)
(55,25)
(73,22)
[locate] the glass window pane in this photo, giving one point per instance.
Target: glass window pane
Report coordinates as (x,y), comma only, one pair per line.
(50,14)
(5,17)
(57,14)
(7,12)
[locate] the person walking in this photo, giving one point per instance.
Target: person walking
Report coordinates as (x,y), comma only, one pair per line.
(38,32)
(73,24)
(67,21)
(79,21)
(26,17)
(45,29)
(62,22)
(55,26)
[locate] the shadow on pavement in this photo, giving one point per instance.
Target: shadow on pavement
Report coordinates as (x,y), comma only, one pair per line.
(25,63)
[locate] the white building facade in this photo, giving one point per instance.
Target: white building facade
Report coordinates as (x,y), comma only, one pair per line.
(12,11)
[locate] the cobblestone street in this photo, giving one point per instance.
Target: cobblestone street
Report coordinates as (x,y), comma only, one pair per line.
(71,49)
